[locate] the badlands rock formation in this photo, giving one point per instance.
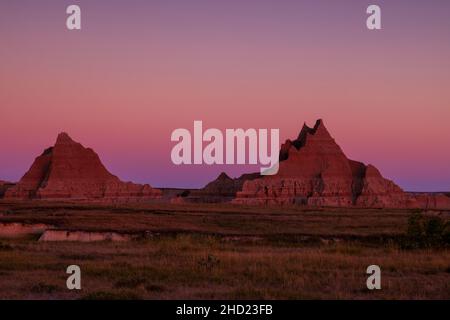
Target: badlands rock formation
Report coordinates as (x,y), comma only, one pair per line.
(315,171)
(70,171)
(222,189)
(4,185)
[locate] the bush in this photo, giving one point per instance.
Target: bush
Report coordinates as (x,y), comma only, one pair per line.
(210,262)
(426,232)
(5,247)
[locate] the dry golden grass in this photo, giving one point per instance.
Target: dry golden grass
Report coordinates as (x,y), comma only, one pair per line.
(211,252)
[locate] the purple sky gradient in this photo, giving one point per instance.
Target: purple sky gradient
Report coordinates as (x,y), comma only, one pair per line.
(140,69)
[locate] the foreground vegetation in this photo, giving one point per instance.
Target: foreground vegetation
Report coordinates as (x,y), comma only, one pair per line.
(241,257)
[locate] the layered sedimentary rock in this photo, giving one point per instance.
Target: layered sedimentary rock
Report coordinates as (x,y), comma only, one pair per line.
(431,200)
(315,171)
(378,192)
(70,171)
(222,189)
(4,185)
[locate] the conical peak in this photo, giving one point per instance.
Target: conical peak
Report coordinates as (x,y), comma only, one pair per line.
(223,176)
(64,138)
(69,170)
(317,135)
(306,129)
(319,123)
(320,129)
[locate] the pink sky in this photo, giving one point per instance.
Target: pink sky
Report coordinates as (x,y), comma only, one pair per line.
(138,70)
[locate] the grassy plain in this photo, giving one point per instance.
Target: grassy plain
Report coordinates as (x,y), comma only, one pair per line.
(219,252)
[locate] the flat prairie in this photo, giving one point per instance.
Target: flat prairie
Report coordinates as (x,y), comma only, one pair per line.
(195,251)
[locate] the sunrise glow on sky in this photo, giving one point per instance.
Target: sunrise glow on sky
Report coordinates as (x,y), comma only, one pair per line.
(140,69)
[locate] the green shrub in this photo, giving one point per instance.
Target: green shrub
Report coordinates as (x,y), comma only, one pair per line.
(426,232)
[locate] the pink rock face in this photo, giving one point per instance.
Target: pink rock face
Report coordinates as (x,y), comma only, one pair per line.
(222,189)
(226,186)
(315,171)
(432,201)
(4,185)
(69,171)
(222,186)
(378,192)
